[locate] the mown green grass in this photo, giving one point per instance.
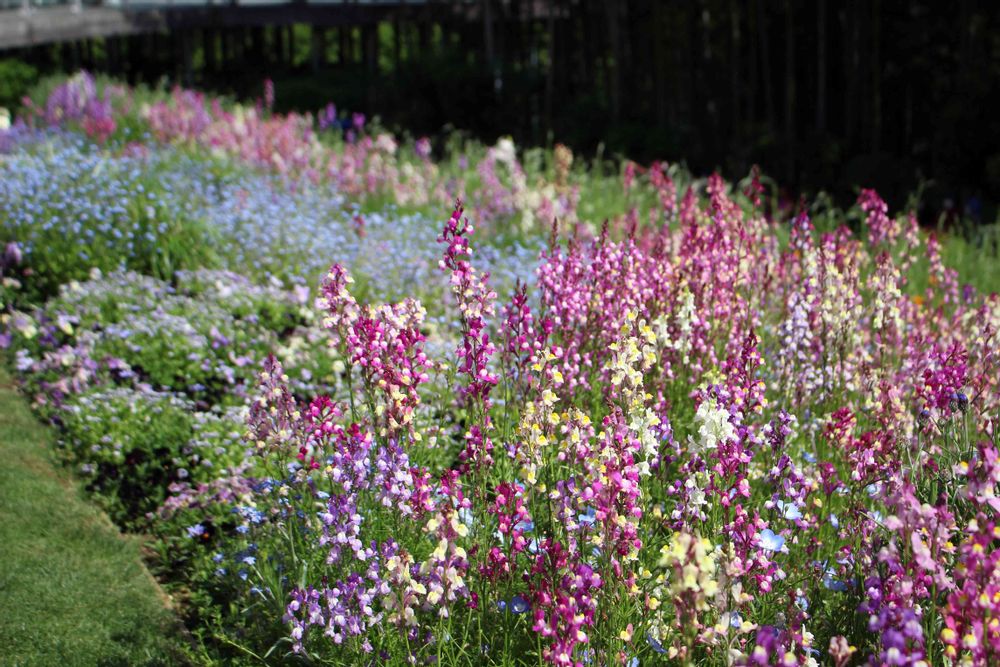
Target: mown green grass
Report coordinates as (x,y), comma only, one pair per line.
(976,259)
(73,591)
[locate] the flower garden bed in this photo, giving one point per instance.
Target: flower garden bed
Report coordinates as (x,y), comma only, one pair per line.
(355,432)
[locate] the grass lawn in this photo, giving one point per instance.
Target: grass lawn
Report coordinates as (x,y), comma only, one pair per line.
(73,591)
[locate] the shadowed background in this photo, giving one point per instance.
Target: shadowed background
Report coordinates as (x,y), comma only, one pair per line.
(894,95)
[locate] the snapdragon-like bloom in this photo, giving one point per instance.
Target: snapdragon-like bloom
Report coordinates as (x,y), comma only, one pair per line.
(443,573)
(276,425)
(475,302)
(714,426)
(564,605)
(386,346)
(513,526)
(690,586)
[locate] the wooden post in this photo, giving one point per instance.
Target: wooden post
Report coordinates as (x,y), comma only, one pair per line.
(113,52)
(789,38)
(396,45)
(551,71)
(125,53)
(277,43)
(110,62)
(370,35)
(317,49)
(344,50)
(232,55)
(423,30)
(821,66)
(613,64)
(659,67)
(488,33)
(227,48)
(258,50)
(187,57)
(208,44)
(132,55)
(150,47)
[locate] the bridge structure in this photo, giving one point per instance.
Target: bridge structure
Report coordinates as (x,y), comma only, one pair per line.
(28,23)
(135,31)
(231,44)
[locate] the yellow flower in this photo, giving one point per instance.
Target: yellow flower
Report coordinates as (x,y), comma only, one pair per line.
(441,549)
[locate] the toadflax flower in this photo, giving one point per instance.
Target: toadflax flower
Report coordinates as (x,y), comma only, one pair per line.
(713,425)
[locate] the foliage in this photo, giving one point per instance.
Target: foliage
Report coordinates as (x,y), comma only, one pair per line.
(16,78)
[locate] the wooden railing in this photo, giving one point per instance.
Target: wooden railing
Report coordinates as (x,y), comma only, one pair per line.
(25,23)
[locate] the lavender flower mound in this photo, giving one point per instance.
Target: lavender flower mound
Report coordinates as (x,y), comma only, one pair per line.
(115,211)
(72,207)
(135,330)
(290,235)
